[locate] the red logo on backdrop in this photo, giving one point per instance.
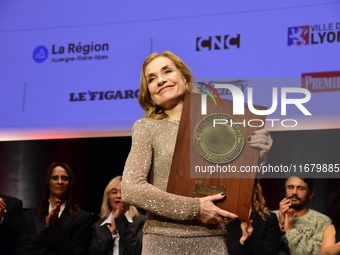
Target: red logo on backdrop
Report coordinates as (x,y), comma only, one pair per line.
(321,82)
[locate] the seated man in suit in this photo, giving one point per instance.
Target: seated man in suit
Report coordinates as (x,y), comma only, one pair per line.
(10,216)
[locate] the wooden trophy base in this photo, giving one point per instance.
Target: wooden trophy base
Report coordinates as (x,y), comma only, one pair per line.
(192,158)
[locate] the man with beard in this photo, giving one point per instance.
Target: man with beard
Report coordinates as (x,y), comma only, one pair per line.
(301,227)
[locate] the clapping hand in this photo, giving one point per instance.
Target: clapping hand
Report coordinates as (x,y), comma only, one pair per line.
(53,216)
(2,208)
(119,211)
(247,230)
(286,215)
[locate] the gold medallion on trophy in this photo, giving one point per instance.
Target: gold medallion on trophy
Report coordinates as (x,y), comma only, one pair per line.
(219,138)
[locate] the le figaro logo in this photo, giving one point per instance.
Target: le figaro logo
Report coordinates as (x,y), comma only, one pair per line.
(71,52)
(314,34)
(103,95)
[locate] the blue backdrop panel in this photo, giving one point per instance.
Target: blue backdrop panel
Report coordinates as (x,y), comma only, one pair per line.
(71,69)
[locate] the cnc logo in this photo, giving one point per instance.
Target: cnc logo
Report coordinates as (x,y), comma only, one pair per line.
(314,34)
(218,42)
(40,54)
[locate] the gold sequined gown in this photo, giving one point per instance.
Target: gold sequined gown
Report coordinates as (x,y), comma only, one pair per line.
(172,226)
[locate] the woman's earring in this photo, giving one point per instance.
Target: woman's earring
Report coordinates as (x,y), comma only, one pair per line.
(188,89)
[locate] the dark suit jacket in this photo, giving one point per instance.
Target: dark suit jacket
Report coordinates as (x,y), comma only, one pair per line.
(130,237)
(265,239)
(10,225)
(71,234)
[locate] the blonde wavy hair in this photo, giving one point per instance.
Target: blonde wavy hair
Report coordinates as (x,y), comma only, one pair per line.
(144,97)
(258,204)
(106,208)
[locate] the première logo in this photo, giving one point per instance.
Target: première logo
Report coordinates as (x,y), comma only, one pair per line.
(321,81)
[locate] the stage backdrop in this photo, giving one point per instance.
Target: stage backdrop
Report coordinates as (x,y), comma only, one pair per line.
(71,68)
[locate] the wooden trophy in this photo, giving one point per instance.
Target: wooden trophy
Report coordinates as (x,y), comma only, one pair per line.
(212,155)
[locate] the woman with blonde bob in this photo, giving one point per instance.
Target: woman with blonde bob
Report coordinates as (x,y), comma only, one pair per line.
(175,224)
(260,235)
(119,228)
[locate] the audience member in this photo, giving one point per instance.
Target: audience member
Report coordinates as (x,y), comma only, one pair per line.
(331,235)
(260,235)
(58,225)
(119,230)
(301,226)
(10,217)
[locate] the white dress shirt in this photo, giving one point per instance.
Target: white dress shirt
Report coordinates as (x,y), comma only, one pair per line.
(115,236)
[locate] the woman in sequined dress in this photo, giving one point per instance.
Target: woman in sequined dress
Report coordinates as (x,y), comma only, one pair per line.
(175,224)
